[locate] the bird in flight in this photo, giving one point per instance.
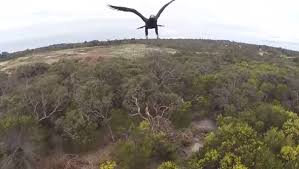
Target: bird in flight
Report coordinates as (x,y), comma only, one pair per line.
(151,23)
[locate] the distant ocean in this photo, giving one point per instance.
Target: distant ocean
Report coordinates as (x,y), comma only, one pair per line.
(69,38)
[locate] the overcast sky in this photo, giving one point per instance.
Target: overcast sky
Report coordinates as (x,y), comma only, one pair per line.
(35,23)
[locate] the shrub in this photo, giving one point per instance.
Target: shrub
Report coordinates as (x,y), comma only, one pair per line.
(31,70)
(182,118)
(168,165)
(21,140)
(143,146)
(108,165)
(78,128)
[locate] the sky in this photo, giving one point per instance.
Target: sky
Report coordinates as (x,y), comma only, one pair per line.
(36,23)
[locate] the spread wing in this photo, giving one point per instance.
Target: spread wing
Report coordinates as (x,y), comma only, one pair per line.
(162,9)
(125,9)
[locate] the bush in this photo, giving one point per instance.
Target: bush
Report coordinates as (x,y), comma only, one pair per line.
(21,140)
(234,140)
(29,71)
(120,122)
(78,128)
(108,165)
(183,116)
(143,146)
(168,165)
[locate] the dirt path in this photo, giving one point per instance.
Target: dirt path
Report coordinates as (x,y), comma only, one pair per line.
(94,158)
(199,129)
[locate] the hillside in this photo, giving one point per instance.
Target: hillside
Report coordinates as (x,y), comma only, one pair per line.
(166,104)
(88,54)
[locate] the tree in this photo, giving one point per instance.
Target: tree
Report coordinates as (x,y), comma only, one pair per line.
(235,140)
(143,146)
(158,120)
(78,128)
(21,142)
(275,139)
(291,156)
(45,98)
(291,129)
(94,100)
(231,161)
(4,55)
(182,117)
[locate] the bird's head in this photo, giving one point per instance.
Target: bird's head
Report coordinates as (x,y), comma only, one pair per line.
(152,16)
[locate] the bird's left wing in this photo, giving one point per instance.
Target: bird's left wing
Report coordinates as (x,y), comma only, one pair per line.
(162,9)
(125,9)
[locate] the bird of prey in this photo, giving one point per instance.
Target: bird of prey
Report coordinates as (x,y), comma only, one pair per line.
(151,23)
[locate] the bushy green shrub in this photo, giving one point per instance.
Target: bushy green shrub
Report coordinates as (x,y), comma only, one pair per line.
(78,128)
(108,165)
(142,147)
(168,165)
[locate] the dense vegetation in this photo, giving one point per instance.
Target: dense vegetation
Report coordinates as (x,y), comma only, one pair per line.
(145,106)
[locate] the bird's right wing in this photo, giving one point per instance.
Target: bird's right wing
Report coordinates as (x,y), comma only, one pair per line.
(125,9)
(162,9)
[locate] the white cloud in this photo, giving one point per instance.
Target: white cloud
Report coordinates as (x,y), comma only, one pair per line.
(244,20)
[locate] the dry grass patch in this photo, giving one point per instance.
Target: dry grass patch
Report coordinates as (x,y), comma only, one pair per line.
(88,54)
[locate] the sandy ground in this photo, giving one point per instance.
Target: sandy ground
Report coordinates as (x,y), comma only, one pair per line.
(199,130)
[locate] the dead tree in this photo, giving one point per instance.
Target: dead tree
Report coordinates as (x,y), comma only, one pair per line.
(156,115)
(44,103)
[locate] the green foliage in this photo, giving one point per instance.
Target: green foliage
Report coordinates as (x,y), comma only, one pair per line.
(209,159)
(129,156)
(29,71)
(291,129)
(290,153)
(168,165)
(21,139)
(236,138)
(120,121)
(142,147)
(268,158)
(254,96)
(94,97)
(231,161)
(275,139)
(183,116)
(271,115)
(265,116)
(108,165)
(10,122)
(236,144)
(291,156)
(79,128)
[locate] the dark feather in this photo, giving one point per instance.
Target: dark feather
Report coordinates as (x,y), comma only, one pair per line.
(125,9)
(162,9)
